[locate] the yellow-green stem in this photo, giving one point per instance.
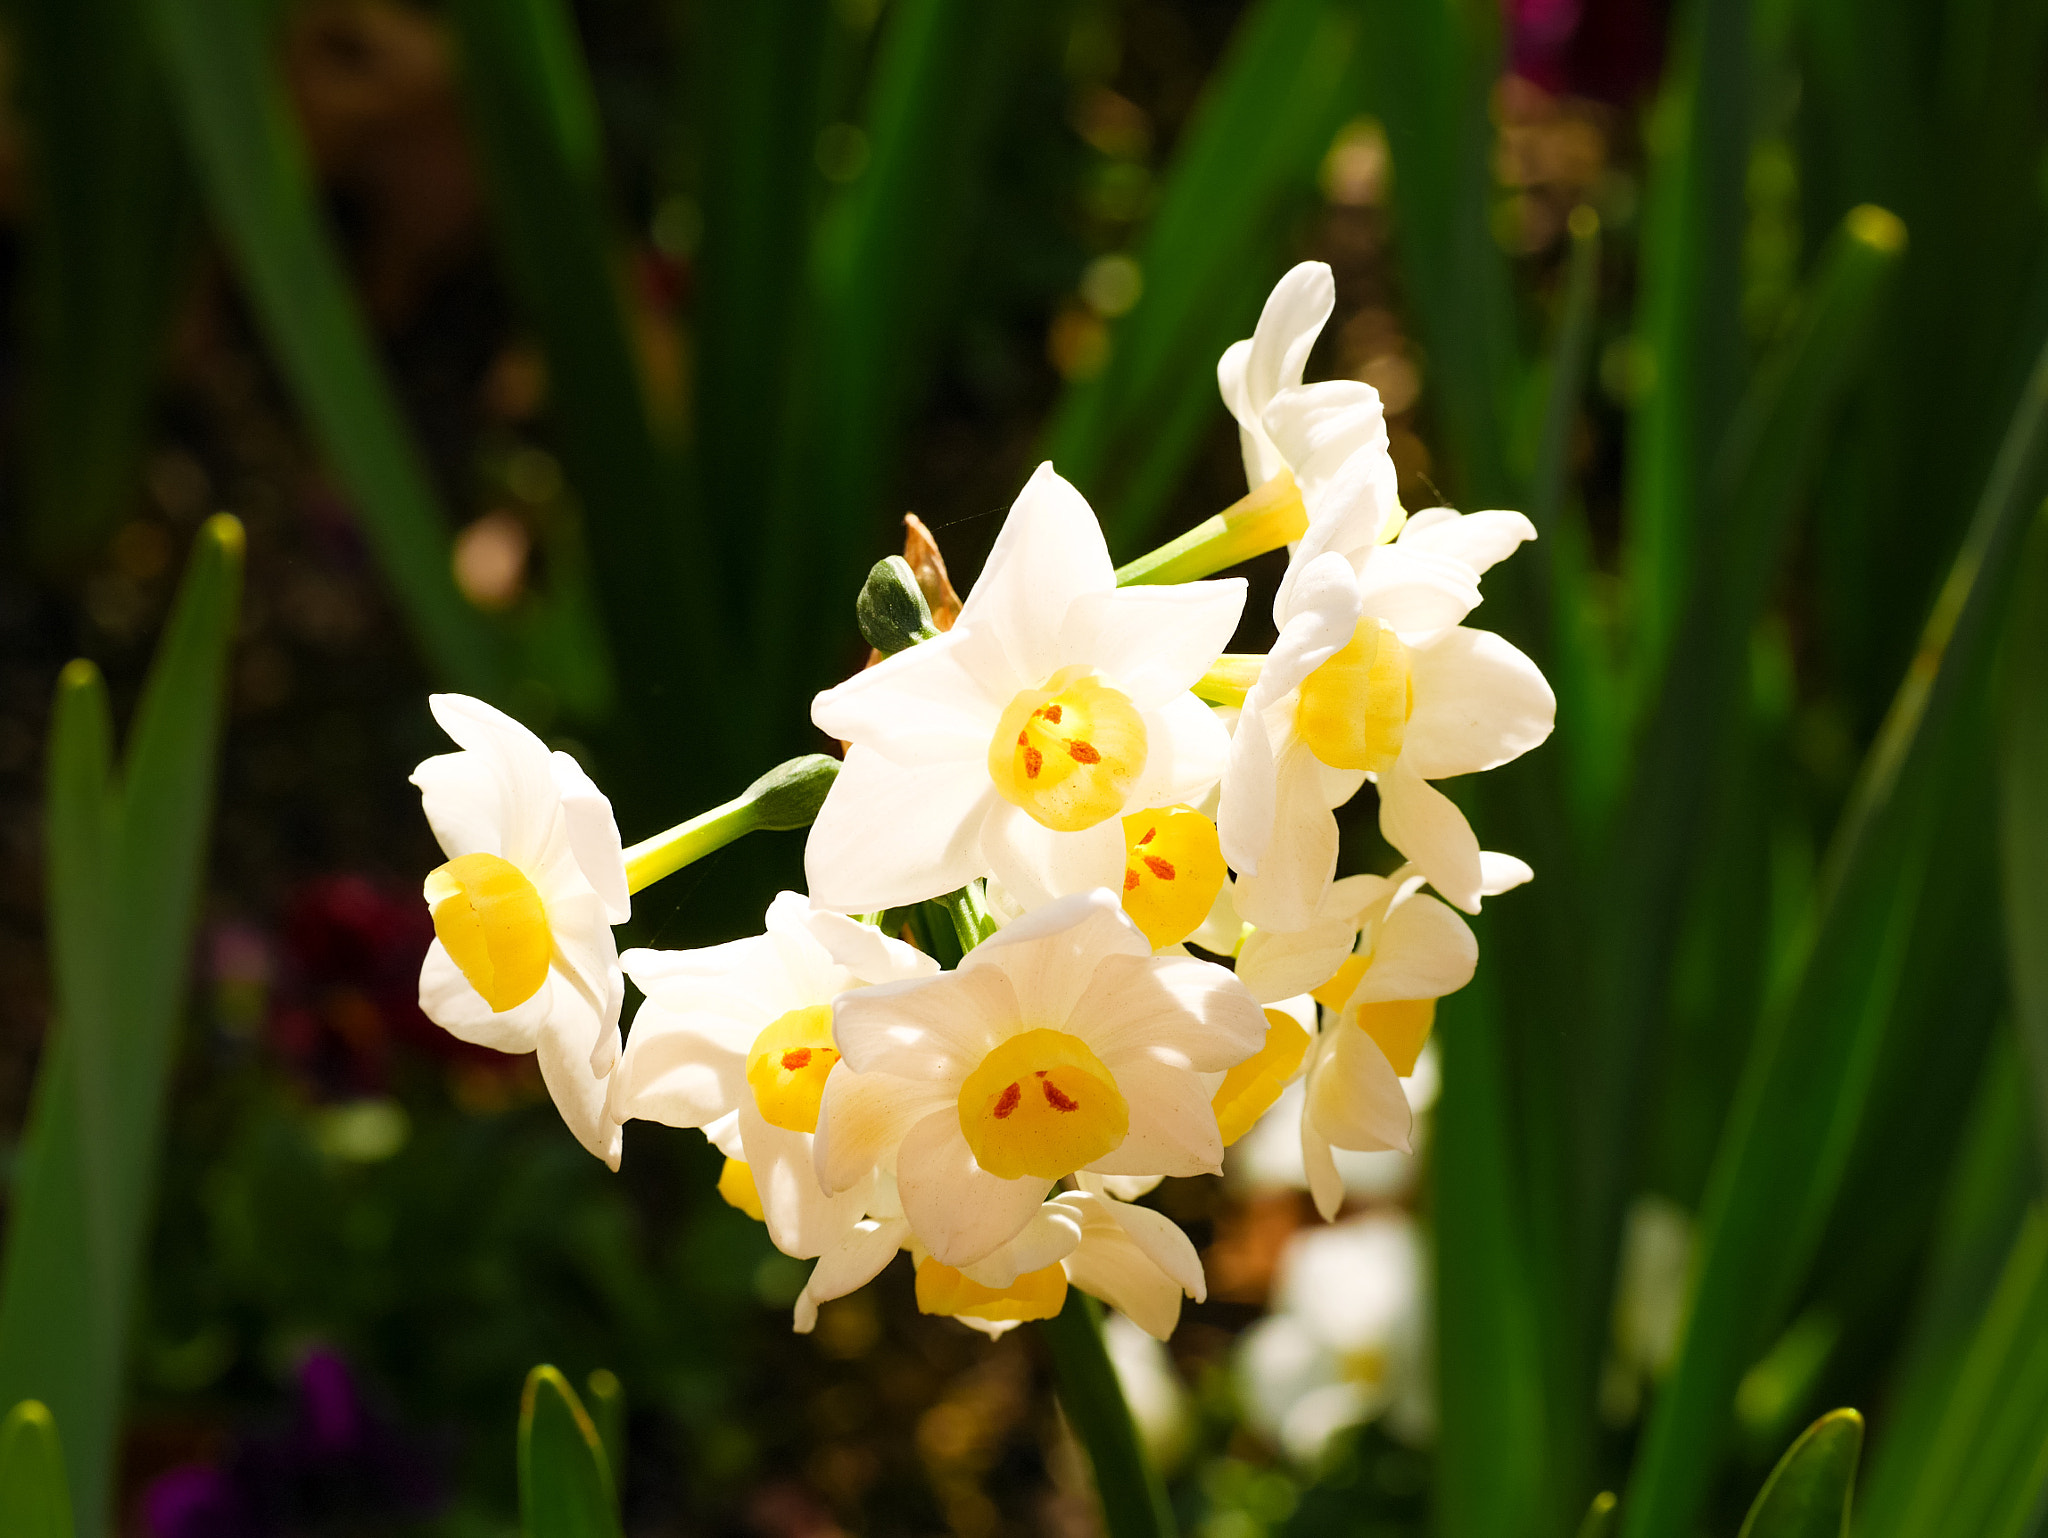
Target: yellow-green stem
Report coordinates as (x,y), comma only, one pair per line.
(1230,678)
(666,853)
(1265,518)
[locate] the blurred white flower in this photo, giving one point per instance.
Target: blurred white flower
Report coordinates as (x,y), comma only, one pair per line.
(737,1039)
(1060,1045)
(1152,1388)
(1372,675)
(1649,1301)
(523,958)
(1016,743)
(1346,1340)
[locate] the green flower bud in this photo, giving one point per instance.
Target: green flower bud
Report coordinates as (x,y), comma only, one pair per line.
(891,608)
(789,795)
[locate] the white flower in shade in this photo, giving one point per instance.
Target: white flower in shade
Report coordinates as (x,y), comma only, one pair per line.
(523,958)
(1016,743)
(1372,675)
(1132,1258)
(1061,1045)
(1346,1341)
(737,1039)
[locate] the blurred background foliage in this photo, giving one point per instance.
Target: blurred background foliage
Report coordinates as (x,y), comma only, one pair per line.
(585,356)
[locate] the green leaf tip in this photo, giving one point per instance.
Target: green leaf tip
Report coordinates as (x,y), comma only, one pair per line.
(1599,1516)
(565,1482)
(789,795)
(891,608)
(35,1498)
(1878,228)
(224,532)
(79,673)
(1808,1493)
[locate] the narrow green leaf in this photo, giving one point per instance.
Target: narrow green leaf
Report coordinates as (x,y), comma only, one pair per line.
(1807,1495)
(1808,1076)
(105,242)
(607,1407)
(2023,765)
(34,1499)
(1128,1486)
(1571,354)
(1429,69)
(1599,1516)
(1690,332)
(124,874)
(530,98)
(253,166)
(565,1485)
(1246,164)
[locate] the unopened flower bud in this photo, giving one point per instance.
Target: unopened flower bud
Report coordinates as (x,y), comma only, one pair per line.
(891,608)
(789,795)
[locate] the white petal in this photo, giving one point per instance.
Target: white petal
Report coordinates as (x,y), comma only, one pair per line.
(1427,827)
(1050,956)
(1049,553)
(1173,1126)
(680,1070)
(932,1029)
(957,1209)
(802,1219)
(1480,540)
(850,1265)
(594,837)
(1319,1166)
(1277,964)
(1246,807)
(564,1048)
(1197,1011)
(1355,1098)
(870,955)
(1036,864)
(1417,591)
(1423,951)
(525,799)
(447,999)
(1479,702)
(1298,866)
(463,799)
(1163,1243)
(1293,317)
(1500,873)
(1315,611)
(888,835)
(1153,643)
(1112,1266)
(1335,437)
(864,1118)
(925,702)
(1187,748)
(1048,1239)
(1122,1188)
(724,1135)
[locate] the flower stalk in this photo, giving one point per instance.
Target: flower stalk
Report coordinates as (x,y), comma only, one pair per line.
(1265,518)
(1230,679)
(786,797)
(1128,1486)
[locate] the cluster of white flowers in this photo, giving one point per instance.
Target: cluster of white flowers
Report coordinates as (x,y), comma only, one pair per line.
(1078,769)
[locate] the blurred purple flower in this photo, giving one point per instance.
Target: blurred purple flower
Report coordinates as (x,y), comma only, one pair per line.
(1610,50)
(337,1468)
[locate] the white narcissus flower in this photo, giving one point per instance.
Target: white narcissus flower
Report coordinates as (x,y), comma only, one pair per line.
(1346,1340)
(1372,675)
(1379,955)
(1060,1045)
(737,1039)
(1016,743)
(523,958)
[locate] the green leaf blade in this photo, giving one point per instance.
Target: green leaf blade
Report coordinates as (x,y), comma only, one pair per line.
(565,1482)
(1808,1493)
(35,1501)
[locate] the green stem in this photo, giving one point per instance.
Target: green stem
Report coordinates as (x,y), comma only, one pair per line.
(1264,519)
(666,853)
(968,909)
(1133,1498)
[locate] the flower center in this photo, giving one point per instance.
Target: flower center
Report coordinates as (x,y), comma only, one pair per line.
(1400,1026)
(788,1064)
(490,919)
(736,1185)
(1069,751)
(1249,1090)
(1173,869)
(1034,1295)
(1041,1104)
(1354,708)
